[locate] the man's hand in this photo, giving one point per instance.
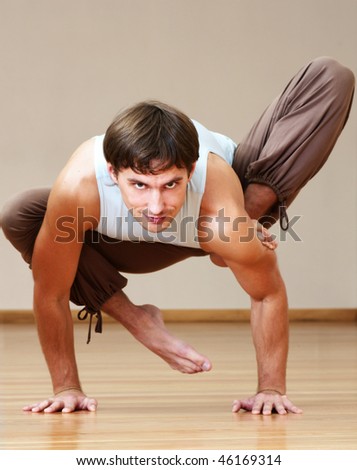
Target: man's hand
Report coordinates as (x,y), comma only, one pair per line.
(265,402)
(66,401)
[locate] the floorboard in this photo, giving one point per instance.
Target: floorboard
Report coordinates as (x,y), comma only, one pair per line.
(143,404)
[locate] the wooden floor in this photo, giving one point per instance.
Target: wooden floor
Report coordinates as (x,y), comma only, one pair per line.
(143,404)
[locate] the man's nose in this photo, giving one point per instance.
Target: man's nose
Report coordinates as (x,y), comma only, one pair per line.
(156,203)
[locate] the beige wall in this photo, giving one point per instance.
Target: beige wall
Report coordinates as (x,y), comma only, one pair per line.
(68,66)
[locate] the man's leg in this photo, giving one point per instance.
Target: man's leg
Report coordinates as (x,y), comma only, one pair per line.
(98,284)
(293,138)
(259,199)
(21,219)
(144,322)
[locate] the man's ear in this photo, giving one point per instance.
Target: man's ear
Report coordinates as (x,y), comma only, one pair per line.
(113,173)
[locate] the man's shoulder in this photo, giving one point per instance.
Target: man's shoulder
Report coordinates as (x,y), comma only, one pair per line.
(222,188)
(82,159)
(76,186)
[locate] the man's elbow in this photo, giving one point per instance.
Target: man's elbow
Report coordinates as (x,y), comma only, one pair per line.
(45,299)
(274,293)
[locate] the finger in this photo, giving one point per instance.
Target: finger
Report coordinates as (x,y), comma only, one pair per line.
(257,406)
(280,408)
(57,405)
(70,403)
(29,407)
(295,409)
(91,404)
(242,405)
(267,408)
(290,406)
(237,405)
(37,407)
(69,408)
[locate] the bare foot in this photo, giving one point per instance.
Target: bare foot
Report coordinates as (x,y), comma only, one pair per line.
(145,323)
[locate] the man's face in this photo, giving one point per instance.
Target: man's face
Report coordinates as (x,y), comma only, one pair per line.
(153,199)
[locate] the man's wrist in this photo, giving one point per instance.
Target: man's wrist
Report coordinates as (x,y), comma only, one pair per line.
(271,390)
(59,390)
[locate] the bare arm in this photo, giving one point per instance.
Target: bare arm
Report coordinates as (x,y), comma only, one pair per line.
(256,269)
(269,318)
(54,266)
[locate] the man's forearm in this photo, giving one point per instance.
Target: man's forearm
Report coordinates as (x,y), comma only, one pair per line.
(55,330)
(270,329)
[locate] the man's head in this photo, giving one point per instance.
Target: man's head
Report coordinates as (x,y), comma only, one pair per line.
(151,137)
(151,150)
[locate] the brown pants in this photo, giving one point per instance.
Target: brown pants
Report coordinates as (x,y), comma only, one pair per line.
(285,149)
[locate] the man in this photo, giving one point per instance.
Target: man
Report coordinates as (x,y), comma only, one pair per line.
(156,189)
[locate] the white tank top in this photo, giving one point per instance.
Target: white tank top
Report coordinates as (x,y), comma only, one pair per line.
(116,221)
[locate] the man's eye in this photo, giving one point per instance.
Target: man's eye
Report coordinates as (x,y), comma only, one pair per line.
(139,185)
(171,185)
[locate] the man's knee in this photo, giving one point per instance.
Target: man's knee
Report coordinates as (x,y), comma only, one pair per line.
(9,220)
(22,215)
(341,78)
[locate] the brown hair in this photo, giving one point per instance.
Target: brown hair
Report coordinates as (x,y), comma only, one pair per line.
(150,137)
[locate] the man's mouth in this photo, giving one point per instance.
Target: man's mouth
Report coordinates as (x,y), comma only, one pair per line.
(156,220)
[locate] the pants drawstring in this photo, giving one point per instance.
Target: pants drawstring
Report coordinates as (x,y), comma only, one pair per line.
(283,216)
(83,315)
